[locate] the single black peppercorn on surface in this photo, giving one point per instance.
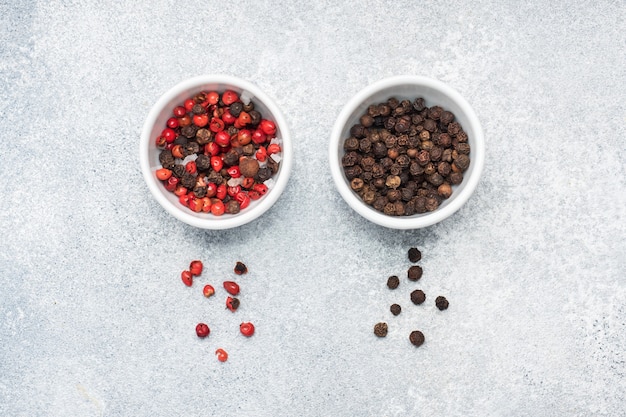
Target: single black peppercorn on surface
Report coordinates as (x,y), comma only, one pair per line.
(380,329)
(441,303)
(403,157)
(417,338)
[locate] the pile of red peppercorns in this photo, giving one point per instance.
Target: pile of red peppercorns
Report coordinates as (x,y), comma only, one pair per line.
(414,273)
(218,153)
(232,303)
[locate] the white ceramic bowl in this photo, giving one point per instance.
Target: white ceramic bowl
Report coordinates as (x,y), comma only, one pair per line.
(408,87)
(155,123)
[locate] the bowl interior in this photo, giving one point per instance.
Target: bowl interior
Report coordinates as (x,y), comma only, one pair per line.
(155,123)
(434,93)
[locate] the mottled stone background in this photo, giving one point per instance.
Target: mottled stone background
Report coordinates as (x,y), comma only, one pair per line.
(94,320)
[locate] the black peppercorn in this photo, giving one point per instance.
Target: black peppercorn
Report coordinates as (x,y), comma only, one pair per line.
(395,309)
(236,108)
(419,104)
(393,282)
(418,297)
(414,255)
(417,338)
(187,180)
(351,144)
(166,159)
(255,117)
(380,329)
(415,273)
(441,303)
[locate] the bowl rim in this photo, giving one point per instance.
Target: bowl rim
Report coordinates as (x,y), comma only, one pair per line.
(225,221)
(417,221)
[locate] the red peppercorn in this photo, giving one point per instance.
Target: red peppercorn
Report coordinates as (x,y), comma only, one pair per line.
(228,118)
(244,118)
(244,136)
(191,167)
(161,143)
(218,208)
(184,199)
(187,278)
(171,183)
(229,97)
(202,330)
(246,329)
(195,267)
(222,355)
(222,138)
(234,171)
(240,268)
(206,204)
(260,188)
(217,163)
(212,149)
(211,189)
(261,154)
(172,123)
(234,190)
(273,148)
(254,195)
(200,120)
(177,151)
(189,103)
(195,204)
(232,303)
(258,136)
(184,120)
(169,135)
(212,97)
(268,127)
(163,173)
(243,199)
(208,290)
(179,111)
(216,125)
(180,189)
(231,287)
(247,182)
(221,191)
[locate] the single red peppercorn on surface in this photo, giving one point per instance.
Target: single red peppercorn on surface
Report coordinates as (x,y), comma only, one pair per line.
(208,291)
(246,329)
(187,278)
(202,330)
(231,287)
(232,303)
(195,267)
(222,355)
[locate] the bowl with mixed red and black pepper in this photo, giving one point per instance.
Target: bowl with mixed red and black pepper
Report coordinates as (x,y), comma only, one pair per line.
(407,152)
(216,151)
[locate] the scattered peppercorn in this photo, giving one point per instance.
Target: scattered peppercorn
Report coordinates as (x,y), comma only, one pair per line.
(418,297)
(240,268)
(417,338)
(395,309)
(403,159)
(415,273)
(441,303)
(415,255)
(380,329)
(393,282)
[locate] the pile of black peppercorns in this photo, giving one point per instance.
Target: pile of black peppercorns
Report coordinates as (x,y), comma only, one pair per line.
(403,158)
(418,297)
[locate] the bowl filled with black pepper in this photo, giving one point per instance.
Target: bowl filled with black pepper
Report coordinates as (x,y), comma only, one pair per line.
(215,151)
(406,152)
